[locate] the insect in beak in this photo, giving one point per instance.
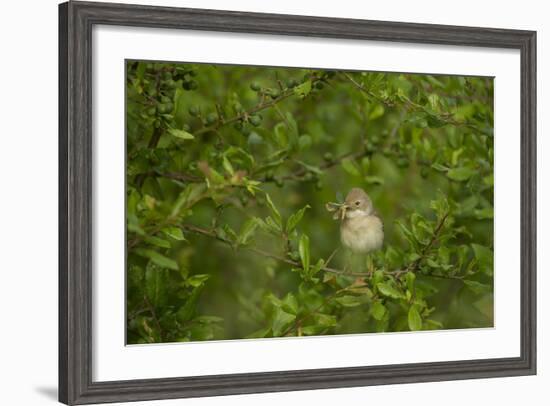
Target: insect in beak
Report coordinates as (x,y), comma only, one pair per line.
(339,210)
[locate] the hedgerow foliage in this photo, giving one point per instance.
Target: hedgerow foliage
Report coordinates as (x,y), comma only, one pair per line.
(228,172)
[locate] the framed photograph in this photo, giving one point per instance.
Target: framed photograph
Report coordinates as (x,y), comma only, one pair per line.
(258,202)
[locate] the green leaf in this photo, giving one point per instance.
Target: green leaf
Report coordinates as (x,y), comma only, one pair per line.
(276,215)
(290,304)
(181,134)
(269,225)
(252,186)
(181,99)
(304,89)
(432,324)
(350,301)
(159,242)
(461,174)
(240,156)
(431,263)
(186,312)
(377,111)
(456,155)
(390,291)
(410,277)
(261,333)
(351,167)
(467,205)
(439,167)
(280,135)
(483,214)
(274,300)
(133,225)
(408,234)
(311,330)
(378,310)
(414,319)
(440,206)
(303,249)
(157,258)
(374,180)
(310,168)
(197,280)
(476,287)
(281,320)
(209,319)
(272,226)
(325,320)
(484,257)
(155,284)
(304,142)
(213,177)
(188,197)
(295,218)
(227,166)
(175,233)
(317,267)
(247,231)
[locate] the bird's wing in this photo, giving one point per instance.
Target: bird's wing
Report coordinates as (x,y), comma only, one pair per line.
(377,215)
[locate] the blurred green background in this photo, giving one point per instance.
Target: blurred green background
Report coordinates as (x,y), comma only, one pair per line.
(220,157)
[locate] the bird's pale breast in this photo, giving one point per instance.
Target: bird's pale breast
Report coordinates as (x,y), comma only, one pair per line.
(362,234)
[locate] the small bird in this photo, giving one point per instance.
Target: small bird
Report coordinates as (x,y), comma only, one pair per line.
(361,230)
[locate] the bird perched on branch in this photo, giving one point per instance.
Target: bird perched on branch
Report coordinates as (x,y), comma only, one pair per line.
(361,230)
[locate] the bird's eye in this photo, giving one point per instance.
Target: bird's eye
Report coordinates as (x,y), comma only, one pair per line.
(357,203)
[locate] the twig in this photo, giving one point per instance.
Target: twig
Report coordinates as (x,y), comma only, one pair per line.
(409,104)
(366,91)
(413,266)
(331,256)
(256,109)
(325,301)
(154,315)
(267,254)
(296,175)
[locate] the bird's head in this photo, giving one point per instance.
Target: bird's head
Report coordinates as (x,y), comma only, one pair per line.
(358,203)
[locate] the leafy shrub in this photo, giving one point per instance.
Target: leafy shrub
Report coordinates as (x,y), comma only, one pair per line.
(228,172)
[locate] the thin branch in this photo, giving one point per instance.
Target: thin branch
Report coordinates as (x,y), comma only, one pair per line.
(263,105)
(298,174)
(331,256)
(413,266)
(326,300)
(409,105)
(181,176)
(151,309)
(365,90)
(267,254)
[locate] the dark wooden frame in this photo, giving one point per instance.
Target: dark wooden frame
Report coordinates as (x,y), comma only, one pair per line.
(75,204)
